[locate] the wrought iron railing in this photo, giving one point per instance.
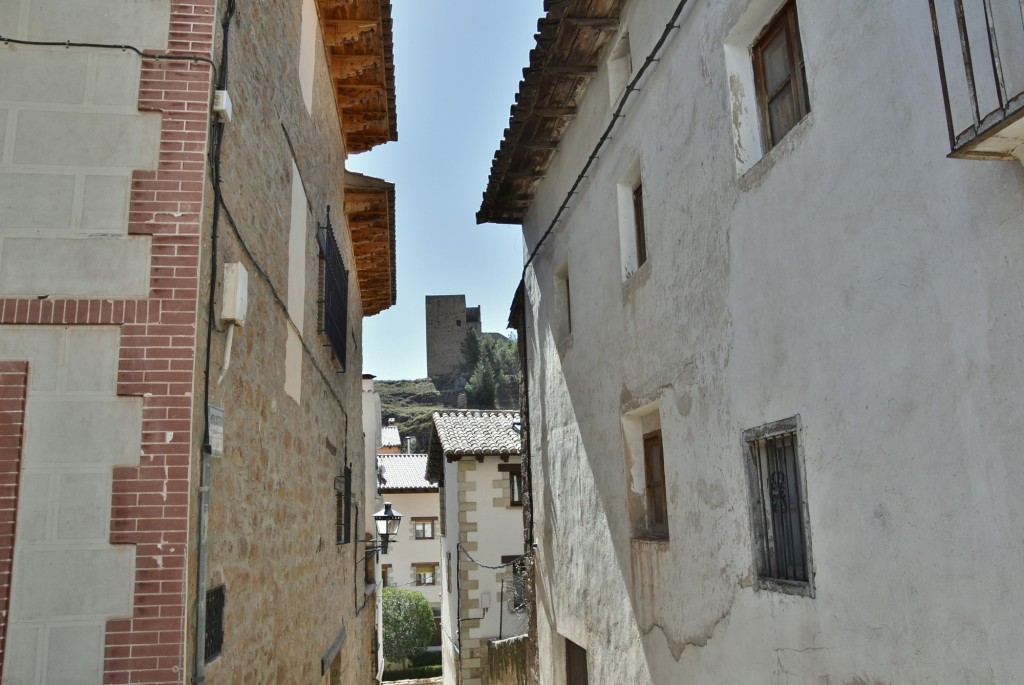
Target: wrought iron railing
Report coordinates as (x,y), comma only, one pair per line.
(980,49)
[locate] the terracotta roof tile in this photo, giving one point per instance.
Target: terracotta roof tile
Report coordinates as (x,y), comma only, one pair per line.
(471,433)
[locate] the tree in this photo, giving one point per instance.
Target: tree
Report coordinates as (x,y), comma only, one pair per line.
(493,364)
(408,623)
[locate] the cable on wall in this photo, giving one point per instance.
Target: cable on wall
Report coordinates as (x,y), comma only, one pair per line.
(113,46)
(631,88)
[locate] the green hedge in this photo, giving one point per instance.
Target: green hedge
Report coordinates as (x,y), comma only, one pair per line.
(426,659)
(411,673)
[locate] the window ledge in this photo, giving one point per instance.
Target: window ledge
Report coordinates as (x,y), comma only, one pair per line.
(636,279)
(755,175)
(564,345)
(786,587)
(651,541)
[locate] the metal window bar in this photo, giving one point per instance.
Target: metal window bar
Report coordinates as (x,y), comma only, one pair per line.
(334,305)
(343,497)
(784,549)
(1007,105)
(214,639)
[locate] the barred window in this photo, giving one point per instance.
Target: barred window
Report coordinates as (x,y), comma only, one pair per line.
(779,504)
(333,302)
(343,499)
(214,638)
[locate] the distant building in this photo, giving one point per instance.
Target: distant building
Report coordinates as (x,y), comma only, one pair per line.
(390,439)
(449,320)
(474,456)
(413,561)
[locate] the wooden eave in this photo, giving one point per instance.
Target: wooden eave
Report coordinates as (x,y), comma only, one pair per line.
(572,39)
(360,52)
(370,214)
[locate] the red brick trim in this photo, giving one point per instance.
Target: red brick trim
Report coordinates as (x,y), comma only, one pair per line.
(13,391)
(157,356)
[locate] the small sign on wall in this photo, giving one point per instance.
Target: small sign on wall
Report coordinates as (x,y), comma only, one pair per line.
(216,423)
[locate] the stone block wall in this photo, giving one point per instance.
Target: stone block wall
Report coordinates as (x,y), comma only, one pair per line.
(448,323)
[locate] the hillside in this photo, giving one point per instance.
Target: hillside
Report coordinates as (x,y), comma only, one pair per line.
(411,403)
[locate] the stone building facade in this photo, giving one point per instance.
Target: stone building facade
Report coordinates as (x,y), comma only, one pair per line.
(774,372)
(474,457)
(449,320)
(110,272)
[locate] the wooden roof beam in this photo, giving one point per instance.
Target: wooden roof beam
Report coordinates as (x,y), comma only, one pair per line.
(339,32)
(603,23)
(346,66)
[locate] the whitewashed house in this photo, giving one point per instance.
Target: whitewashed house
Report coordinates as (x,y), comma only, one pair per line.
(773,337)
(474,456)
(412,561)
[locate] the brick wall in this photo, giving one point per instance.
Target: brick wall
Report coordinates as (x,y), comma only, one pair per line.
(150,502)
(13,389)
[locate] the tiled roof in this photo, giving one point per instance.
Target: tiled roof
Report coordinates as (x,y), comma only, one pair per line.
(403,473)
(389,437)
(471,433)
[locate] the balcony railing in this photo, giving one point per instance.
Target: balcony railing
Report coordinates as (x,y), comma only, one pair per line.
(980,48)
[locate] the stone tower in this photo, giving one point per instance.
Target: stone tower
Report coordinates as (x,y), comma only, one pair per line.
(448,322)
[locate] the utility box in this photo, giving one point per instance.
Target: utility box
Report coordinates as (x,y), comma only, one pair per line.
(236,293)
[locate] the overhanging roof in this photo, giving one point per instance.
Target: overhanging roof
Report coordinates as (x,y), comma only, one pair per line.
(360,52)
(479,433)
(370,211)
(571,41)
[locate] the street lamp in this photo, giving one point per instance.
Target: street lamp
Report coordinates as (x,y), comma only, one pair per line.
(387,522)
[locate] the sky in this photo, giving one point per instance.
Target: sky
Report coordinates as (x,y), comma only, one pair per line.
(458,64)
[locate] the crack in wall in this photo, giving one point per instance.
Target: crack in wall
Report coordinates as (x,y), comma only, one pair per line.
(678,647)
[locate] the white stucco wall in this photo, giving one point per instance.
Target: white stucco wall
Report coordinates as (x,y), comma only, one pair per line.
(854,276)
(407,550)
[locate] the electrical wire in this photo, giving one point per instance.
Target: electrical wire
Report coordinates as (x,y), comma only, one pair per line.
(114,46)
(499,566)
(616,115)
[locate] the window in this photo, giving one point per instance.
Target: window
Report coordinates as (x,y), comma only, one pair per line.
(514,584)
(425,574)
(343,501)
(333,302)
(779,508)
(632,220)
(654,482)
(575,664)
(515,483)
(423,528)
(638,223)
(563,303)
(779,76)
(645,456)
(214,639)
(620,67)
(386,578)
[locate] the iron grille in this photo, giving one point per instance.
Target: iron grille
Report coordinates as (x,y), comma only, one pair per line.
(783,542)
(981,68)
(334,295)
(343,496)
(214,640)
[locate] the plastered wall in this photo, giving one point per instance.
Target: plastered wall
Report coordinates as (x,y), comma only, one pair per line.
(854,276)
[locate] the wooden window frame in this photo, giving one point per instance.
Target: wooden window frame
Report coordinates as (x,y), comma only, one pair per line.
(424,520)
(639,223)
(416,573)
(656,492)
(385,575)
(785,20)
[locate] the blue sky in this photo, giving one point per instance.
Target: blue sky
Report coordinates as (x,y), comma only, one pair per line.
(458,64)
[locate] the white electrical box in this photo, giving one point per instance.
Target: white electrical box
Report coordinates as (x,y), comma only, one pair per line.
(222,104)
(236,293)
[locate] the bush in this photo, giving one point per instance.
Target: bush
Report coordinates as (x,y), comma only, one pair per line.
(426,659)
(408,623)
(411,673)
